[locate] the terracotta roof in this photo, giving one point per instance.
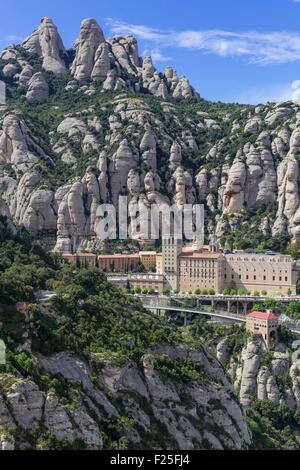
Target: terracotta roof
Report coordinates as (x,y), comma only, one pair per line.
(79,255)
(119,256)
(262,315)
(200,255)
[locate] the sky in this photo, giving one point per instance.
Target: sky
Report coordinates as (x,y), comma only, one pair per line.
(245,51)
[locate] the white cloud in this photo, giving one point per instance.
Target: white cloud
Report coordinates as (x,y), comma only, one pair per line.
(274,93)
(157,55)
(259,48)
(11,39)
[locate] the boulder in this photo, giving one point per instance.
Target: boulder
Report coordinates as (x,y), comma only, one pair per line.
(38,89)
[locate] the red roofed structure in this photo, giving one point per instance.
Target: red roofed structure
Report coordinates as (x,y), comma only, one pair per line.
(263,315)
(264,324)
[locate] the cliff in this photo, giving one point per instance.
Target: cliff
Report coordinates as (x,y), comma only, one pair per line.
(84,125)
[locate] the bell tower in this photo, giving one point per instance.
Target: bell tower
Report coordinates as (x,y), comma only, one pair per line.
(171,249)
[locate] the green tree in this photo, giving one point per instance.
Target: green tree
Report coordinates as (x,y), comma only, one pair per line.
(271,304)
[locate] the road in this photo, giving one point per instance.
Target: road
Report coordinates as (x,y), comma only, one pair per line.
(154,304)
(220,315)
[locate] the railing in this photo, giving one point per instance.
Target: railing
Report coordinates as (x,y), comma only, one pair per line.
(172,308)
(237,298)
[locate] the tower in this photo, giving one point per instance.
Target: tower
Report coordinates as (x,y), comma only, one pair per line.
(213,244)
(227,247)
(171,249)
(264,324)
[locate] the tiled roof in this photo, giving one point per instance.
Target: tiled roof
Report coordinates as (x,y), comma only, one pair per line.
(262,315)
(200,255)
(119,256)
(79,255)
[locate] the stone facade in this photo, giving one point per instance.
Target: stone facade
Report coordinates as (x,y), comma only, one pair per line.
(201,269)
(118,263)
(83,258)
(190,268)
(251,271)
(264,324)
(147,281)
(148,259)
(171,249)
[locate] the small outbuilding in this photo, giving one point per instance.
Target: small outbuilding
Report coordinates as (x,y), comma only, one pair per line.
(264,324)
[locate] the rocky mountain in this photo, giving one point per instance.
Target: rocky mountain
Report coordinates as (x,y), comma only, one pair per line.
(266,383)
(148,410)
(84,125)
(91,369)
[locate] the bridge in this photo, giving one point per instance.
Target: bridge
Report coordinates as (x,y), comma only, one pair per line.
(192,311)
(159,304)
(162,304)
(240,304)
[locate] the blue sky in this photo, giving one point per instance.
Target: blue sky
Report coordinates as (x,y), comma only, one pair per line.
(231,50)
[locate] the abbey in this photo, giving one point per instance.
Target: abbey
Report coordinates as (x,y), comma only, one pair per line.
(186,269)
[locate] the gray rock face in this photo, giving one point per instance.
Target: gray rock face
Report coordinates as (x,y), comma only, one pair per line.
(86,46)
(125,52)
(73,368)
(179,423)
(262,379)
(28,409)
(57,420)
(252,180)
(26,402)
(200,165)
(25,75)
(122,162)
(184,90)
(38,89)
(148,149)
(30,206)
(113,82)
(251,357)
(9,70)
(261,382)
(17,146)
(222,350)
(234,195)
(102,63)
(175,156)
(72,424)
(141,392)
(115,62)
(47,44)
